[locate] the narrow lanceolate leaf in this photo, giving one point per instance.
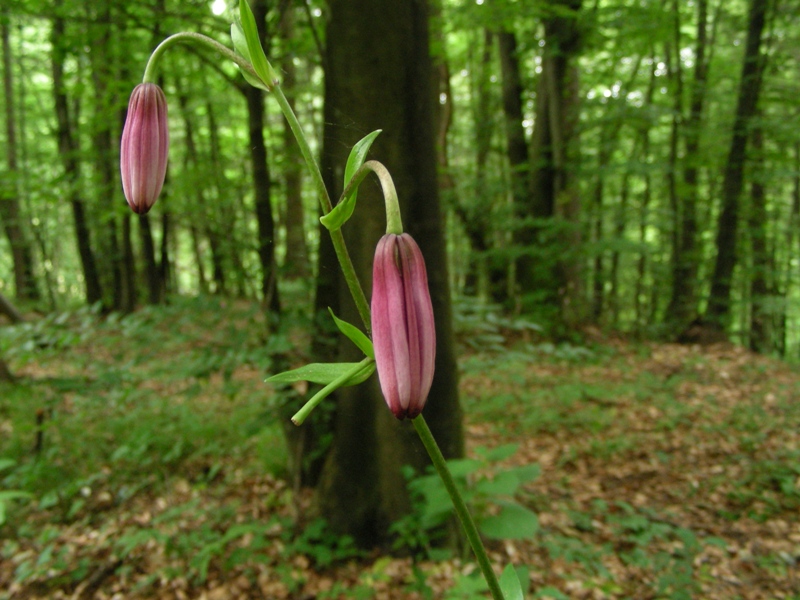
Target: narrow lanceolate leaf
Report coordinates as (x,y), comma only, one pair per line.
(257,57)
(240,45)
(358,372)
(510,584)
(322,373)
(354,334)
(344,209)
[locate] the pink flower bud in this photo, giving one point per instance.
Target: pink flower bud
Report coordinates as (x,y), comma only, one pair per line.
(144,146)
(403,332)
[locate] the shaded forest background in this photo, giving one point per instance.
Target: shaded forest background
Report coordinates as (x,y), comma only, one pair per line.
(571,169)
(633,165)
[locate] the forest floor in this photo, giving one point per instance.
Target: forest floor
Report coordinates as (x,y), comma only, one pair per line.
(155,466)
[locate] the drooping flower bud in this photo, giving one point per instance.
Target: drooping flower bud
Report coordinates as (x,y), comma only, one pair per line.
(144,147)
(403,332)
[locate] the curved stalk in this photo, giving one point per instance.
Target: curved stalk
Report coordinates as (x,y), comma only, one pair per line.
(394,221)
(339,246)
(189,36)
(440,464)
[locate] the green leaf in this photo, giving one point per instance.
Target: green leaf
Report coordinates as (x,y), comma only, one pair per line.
(344,209)
(552,593)
(354,334)
(6,463)
(499,453)
(7,495)
(463,467)
(527,473)
(257,57)
(240,45)
(322,373)
(503,483)
(514,522)
(510,584)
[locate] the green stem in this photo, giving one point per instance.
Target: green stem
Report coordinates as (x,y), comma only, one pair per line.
(325,201)
(470,529)
(302,414)
(188,36)
(394,222)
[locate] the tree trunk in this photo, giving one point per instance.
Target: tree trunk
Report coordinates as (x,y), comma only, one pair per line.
(261,178)
(516,145)
(641,264)
(672,53)
(554,272)
(380,77)
(106,161)
(682,308)
(297,259)
(760,317)
(9,310)
(21,252)
(149,256)
(719,301)
(190,165)
(476,207)
(68,150)
(5,373)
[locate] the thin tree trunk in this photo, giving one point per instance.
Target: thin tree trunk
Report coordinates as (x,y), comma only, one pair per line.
(675,77)
(105,158)
(222,245)
(641,264)
(190,163)
(5,373)
(474,214)
(21,252)
(9,310)
(68,150)
(261,179)
(682,308)
(297,258)
(719,302)
(760,317)
(516,144)
(554,182)
(794,220)
(149,255)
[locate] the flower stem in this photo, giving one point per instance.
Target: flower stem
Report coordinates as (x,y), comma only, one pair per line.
(467,522)
(339,246)
(189,36)
(394,222)
(358,368)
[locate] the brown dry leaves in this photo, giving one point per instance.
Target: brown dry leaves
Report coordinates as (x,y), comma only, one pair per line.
(689,431)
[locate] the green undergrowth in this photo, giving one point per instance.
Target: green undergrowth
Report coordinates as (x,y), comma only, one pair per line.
(148,445)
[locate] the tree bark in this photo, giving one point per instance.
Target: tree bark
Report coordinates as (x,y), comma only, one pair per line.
(297,259)
(672,53)
(551,270)
(380,77)
(106,161)
(9,310)
(21,252)
(5,373)
(261,177)
(719,301)
(682,308)
(68,150)
(760,317)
